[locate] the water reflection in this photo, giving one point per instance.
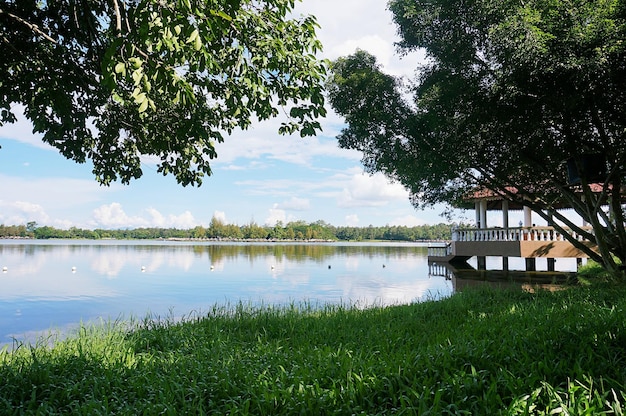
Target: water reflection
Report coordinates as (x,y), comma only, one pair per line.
(60,283)
(463,277)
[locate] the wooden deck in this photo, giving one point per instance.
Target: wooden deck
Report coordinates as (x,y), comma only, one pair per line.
(524,242)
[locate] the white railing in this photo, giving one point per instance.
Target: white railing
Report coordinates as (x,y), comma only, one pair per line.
(514,234)
(440,250)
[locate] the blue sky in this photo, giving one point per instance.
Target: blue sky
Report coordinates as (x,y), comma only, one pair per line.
(258,176)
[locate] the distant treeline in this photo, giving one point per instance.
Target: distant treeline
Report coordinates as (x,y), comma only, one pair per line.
(295,231)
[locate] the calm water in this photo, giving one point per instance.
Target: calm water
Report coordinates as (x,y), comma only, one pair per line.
(57,284)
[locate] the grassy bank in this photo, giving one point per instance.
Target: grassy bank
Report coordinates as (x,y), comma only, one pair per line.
(479,352)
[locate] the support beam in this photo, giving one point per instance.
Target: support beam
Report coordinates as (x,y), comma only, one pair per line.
(477,208)
(483,213)
(505,214)
(482,262)
(531,264)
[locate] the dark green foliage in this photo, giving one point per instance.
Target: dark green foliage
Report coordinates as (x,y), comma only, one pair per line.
(299,230)
(112,81)
(510,93)
(478,352)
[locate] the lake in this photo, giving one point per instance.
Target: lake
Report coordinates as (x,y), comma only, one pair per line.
(56,285)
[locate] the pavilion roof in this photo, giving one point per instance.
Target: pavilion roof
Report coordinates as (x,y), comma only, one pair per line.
(495,199)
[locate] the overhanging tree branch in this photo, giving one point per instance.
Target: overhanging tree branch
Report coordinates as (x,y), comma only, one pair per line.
(31,26)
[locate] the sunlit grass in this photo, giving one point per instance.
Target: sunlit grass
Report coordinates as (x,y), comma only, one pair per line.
(478,352)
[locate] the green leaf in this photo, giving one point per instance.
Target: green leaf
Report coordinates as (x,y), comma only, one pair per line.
(221,14)
(193,36)
(136,62)
(144,106)
(140,98)
(117,98)
(137,76)
(120,68)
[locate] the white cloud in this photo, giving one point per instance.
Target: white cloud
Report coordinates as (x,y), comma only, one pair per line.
(370,191)
(156,218)
(350,189)
(59,192)
(373,44)
(407,220)
(262,144)
(363,24)
(220,216)
(296,204)
(114,216)
(233,167)
(63,224)
(283,188)
(352,220)
(184,220)
(278,212)
(30,208)
(21,212)
(276,215)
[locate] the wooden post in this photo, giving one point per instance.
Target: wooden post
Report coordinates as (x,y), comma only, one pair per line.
(551,264)
(531,264)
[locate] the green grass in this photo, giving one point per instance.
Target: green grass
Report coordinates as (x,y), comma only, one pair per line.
(479,352)
(593,272)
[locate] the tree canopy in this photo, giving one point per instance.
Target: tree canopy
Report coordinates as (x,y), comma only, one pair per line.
(510,93)
(114,81)
(292,231)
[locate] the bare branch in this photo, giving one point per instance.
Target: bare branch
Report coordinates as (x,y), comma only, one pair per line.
(118,18)
(31,26)
(126,17)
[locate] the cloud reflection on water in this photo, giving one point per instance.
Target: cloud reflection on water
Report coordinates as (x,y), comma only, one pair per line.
(123,278)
